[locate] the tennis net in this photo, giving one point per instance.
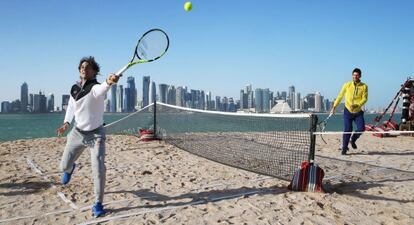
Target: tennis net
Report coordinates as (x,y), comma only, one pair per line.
(269,144)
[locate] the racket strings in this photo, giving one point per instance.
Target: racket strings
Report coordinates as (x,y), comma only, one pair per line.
(152,45)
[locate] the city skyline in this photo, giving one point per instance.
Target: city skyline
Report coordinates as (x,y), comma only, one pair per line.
(312,45)
(118,99)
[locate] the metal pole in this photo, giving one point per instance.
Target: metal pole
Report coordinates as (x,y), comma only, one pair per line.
(313,124)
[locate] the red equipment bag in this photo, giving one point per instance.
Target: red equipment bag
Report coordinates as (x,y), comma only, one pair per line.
(146,135)
(308,177)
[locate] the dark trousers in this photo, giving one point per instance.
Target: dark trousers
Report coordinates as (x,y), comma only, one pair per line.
(348,119)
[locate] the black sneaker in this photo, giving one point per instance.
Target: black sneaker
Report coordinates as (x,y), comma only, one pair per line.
(344,150)
(353,145)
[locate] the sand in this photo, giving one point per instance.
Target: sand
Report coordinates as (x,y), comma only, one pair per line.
(156,183)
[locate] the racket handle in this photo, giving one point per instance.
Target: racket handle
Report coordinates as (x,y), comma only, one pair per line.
(119,73)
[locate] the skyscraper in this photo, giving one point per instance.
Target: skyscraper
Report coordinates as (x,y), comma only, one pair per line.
(119,99)
(39,103)
(162,91)
(259,100)
(113,98)
(318,102)
(153,91)
(202,100)
(51,103)
(231,105)
(266,100)
(179,96)
(5,107)
(244,100)
(171,95)
(283,95)
(65,102)
(218,104)
(127,99)
(210,106)
(297,101)
(291,96)
(30,107)
(24,97)
(309,102)
(145,90)
(326,104)
(132,94)
(224,104)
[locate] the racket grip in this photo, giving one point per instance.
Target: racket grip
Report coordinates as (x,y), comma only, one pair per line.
(119,73)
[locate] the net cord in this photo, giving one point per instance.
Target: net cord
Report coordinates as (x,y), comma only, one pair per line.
(298,115)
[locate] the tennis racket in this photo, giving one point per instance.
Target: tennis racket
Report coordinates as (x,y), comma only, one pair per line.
(322,125)
(151,46)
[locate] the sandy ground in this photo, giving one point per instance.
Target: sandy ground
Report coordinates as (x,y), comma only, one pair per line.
(156,183)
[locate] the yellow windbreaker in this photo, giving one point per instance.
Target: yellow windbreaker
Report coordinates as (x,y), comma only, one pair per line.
(354,95)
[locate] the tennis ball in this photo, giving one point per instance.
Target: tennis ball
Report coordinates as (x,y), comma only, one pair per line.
(188,6)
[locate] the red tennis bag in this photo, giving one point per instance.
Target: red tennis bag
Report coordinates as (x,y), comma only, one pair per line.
(308,177)
(146,135)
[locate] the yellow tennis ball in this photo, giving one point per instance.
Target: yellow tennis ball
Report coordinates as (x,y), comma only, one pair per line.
(188,6)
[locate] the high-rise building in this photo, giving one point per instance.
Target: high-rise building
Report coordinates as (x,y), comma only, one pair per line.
(326,104)
(127,99)
(209,104)
(51,103)
(5,107)
(162,92)
(171,95)
(202,100)
(259,100)
(266,100)
(291,99)
(132,94)
(30,107)
(39,103)
(248,89)
(218,104)
(145,90)
(318,102)
(65,102)
(244,99)
(24,97)
(112,107)
(194,96)
(284,95)
(153,91)
(231,105)
(250,100)
(119,99)
(224,104)
(309,102)
(179,96)
(297,102)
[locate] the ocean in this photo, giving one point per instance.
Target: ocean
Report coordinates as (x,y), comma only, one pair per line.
(28,126)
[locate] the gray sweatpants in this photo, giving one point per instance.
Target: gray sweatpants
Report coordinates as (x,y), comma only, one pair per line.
(77,141)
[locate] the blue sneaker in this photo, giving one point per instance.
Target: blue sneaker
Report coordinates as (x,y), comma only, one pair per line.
(66,176)
(97,210)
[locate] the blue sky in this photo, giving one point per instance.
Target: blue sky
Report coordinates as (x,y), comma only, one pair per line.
(220,46)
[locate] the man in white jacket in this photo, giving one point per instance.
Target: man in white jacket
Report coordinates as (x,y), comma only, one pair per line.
(86,107)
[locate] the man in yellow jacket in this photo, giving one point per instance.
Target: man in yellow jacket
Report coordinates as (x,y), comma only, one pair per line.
(356,95)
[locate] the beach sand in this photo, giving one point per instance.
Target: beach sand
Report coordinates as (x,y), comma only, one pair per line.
(156,183)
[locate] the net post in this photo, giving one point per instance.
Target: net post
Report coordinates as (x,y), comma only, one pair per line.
(155,119)
(313,125)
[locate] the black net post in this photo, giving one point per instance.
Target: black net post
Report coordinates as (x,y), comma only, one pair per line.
(313,124)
